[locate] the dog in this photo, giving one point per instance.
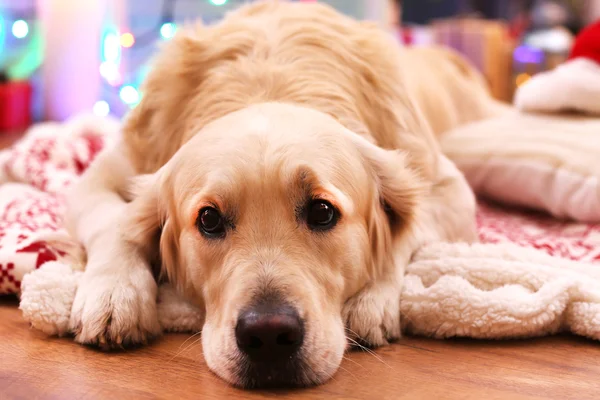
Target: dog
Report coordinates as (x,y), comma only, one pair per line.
(280,171)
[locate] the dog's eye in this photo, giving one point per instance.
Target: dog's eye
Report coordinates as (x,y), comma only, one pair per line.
(210,222)
(321,215)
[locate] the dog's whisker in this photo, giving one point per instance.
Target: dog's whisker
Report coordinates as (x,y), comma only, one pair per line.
(191,337)
(339,367)
(352,361)
(194,345)
(369,351)
(351,331)
(362,347)
(181,351)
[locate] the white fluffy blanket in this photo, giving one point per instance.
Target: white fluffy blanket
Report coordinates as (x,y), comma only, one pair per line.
(496,289)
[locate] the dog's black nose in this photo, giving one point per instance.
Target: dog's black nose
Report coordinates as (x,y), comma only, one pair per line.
(269,333)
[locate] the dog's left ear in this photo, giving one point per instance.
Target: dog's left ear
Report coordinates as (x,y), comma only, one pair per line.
(400,187)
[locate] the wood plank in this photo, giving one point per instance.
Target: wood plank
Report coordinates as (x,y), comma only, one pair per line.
(7,139)
(33,366)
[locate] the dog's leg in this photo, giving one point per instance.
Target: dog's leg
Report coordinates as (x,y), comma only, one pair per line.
(116,301)
(372,316)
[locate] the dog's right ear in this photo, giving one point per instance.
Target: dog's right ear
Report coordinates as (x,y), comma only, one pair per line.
(142,222)
(150,227)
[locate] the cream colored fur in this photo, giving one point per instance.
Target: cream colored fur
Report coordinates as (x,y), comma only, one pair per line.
(278,102)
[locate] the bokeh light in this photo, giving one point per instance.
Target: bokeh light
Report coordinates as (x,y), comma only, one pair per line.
(2,34)
(111,48)
(522,78)
(167,30)
(101,108)
(129,95)
(20,29)
(127,40)
(110,72)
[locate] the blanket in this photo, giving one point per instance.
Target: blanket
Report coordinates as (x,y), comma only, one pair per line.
(34,175)
(531,275)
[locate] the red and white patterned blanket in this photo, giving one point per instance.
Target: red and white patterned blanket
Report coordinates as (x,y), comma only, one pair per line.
(35,173)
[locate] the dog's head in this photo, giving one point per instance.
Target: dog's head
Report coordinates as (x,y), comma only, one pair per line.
(272,217)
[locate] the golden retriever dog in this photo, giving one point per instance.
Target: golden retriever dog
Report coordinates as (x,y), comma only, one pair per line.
(285,168)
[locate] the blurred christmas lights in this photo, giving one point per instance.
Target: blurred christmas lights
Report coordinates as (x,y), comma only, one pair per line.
(127,40)
(19,59)
(111,48)
(129,95)
(110,72)
(101,108)
(522,78)
(20,29)
(2,34)
(113,44)
(167,30)
(528,55)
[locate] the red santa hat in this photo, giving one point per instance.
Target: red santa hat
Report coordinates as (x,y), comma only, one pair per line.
(572,86)
(587,44)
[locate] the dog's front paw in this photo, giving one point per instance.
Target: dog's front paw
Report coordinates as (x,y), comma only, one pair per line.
(372,316)
(115,309)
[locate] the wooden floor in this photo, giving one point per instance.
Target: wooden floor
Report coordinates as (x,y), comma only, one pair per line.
(33,366)
(8,138)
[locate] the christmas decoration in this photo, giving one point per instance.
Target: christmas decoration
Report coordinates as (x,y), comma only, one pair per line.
(20,58)
(587,44)
(33,177)
(572,86)
(15,105)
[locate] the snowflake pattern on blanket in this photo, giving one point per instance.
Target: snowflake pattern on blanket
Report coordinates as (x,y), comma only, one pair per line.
(576,241)
(35,173)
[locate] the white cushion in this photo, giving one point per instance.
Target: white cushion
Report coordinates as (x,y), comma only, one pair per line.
(550,163)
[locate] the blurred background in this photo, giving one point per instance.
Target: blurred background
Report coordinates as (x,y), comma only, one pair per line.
(63,57)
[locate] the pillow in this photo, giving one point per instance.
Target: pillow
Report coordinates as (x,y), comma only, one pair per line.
(545,162)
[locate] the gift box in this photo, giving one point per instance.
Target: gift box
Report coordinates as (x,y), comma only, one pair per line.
(15,105)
